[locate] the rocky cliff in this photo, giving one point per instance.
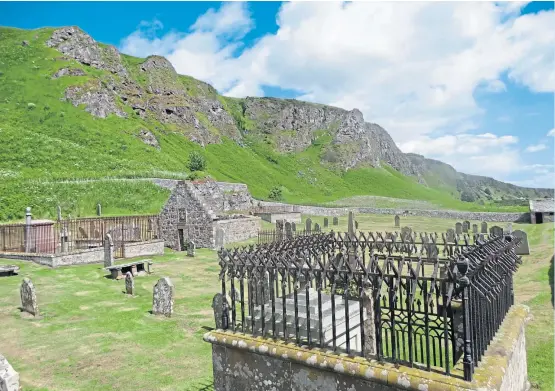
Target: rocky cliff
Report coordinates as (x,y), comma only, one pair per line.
(150,89)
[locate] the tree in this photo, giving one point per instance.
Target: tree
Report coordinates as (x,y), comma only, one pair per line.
(197,161)
(467,196)
(275,194)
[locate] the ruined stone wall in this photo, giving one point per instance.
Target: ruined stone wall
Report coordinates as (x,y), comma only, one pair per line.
(237,230)
(236,196)
(442,214)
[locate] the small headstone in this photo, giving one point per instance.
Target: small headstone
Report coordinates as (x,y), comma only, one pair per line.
(108,251)
(496,231)
(351,223)
(509,229)
(59,212)
(288,231)
(356,224)
(326,222)
(458,228)
(523,248)
(465,227)
(335,221)
(308,225)
(450,235)
(317,228)
(294,227)
(221,311)
(162,298)
(406,233)
(29,297)
(484,227)
(191,248)
(129,284)
(474,228)
(219,239)
(280,230)
(98,209)
(397,221)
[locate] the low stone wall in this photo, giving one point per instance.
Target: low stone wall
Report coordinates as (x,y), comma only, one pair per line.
(142,249)
(9,378)
(237,230)
(516,217)
(247,363)
(83,257)
(273,217)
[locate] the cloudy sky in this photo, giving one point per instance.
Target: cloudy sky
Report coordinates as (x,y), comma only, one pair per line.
(468,83)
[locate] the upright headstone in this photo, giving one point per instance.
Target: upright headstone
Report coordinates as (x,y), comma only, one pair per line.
(474,228)
(191,247)
(509,229)
(9,378)
(280,230)
(450,235)
(98,209)
(496,231)
(458,228)
(335,221)
(59,213)
(406,233)
(397,221)
(288,231)
(220,306)
(219,239)
(308,225)
(484,227)
(326,222)
(162,297)
(29,297)
(523,247)
(129,284)
(465,226)
(351,223)
(317,228)
(294,227)
(108,251)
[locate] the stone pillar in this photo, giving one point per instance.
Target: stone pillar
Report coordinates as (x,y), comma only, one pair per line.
(129,284)
(29,297)
(108,251)
(9,378)
(163,297)
(369,325)
(27,238)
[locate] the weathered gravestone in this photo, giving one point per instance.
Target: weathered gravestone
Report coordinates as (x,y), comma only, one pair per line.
(509,228)
(335,221)
(220,306)
(474,228)
(162,298)
(262,291)
(280,230)
(406,233)
(9,378)
(356,224)
(293,227)
(450,237)
(523,248)
(326,222)
(465,226)
(129,284)
(219,238)
(108,251)
(496,231)
(191,247)
(98,210)
(484,227)
(288,231)
(317,227)
(458,228)
(59,212)
(351,223)
(29,297)
(397,221)
(308,225)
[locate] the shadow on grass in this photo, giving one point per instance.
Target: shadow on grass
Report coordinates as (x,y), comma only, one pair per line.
(207,385)
(550,275)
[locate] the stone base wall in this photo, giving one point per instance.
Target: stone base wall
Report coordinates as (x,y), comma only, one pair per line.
(515,217)
(247,363)
(273,217)
(237,230)
(142,249)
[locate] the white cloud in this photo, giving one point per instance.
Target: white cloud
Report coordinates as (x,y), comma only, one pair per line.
(412,69)
(535,148)
(551,133)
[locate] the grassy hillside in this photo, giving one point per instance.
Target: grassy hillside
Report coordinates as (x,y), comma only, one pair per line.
(45,139)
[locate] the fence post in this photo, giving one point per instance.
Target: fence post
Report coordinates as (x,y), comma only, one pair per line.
(464,284)
(28,220)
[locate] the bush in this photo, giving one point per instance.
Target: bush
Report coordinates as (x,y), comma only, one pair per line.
(197,162)
(275,194)
(467,196)
(196,175)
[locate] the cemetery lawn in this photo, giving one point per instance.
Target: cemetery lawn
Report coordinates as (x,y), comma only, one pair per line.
(93,337)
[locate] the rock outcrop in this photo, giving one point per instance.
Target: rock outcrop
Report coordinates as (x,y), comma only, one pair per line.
(98,100)
(148,138)
(68,72)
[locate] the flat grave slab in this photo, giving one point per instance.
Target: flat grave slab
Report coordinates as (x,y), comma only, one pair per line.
(8,270)
(136,267)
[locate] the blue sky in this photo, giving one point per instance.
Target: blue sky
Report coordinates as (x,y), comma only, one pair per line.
(470,84)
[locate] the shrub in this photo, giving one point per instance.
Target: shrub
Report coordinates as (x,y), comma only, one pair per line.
(275,194)
(197,162)
(467,196)
(31,106)
(196,175)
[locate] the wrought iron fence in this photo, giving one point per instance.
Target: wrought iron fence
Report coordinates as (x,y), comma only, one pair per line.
(78,234)
(412,299)
(272,235)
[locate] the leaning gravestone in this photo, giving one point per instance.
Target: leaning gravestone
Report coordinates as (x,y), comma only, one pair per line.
(523,248)
(29,297)
(335,221)
(474,228)
(308,225)
(219,309)
(162,298)
(496,231)
(458,228)
(129,284)
(108,251)
(9,378)
(191,248)
(219,239)
(397,221)
(450,235)
(326,222)
(484,228)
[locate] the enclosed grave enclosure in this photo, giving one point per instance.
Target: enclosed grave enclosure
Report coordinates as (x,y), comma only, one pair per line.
(415,300)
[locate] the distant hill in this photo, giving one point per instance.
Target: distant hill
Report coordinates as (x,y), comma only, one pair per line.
(73,108)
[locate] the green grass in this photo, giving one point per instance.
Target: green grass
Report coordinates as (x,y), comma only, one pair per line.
(47,138)
(92,336)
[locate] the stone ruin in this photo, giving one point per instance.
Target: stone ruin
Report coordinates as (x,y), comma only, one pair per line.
(163,297)
(29,297)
